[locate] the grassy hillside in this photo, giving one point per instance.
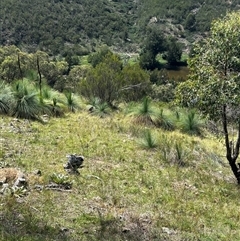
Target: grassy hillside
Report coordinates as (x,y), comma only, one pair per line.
(124,191)
(59,25)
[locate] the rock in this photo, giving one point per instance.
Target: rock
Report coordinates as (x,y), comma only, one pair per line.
(168,231)
(20,182)
(74,163)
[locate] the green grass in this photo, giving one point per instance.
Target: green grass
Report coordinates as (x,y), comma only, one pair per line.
(124,191)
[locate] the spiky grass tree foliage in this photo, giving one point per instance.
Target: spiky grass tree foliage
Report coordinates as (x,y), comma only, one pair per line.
(148,140)
(165,120)
(53,103)
(6,98)
(191,123)
(98,107)
(72,101)
(26,100)
(144,113)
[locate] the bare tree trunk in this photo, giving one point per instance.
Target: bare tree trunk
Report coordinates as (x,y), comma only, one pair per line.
(40,78)
(232,152)
(19,67)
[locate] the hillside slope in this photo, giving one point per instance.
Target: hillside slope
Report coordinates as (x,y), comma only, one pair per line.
(57,25)
(123,192)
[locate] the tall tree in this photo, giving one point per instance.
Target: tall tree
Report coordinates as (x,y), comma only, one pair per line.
(154,44)
(173,52)
(214,82)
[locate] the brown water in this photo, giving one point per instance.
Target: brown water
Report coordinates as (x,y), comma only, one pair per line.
(179,73)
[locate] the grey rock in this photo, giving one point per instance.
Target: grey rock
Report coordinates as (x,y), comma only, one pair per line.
(20,182)
(74,162)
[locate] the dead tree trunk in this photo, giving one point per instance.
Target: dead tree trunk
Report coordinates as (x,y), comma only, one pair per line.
(19,67)
(232,149)
(40,78)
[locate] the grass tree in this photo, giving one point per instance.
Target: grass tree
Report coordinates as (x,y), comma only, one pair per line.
(53,102)
(144,113)
(191,123)
(165,120)
(26,102)
(99,107)
(72,101)
(6,98)
(148,140)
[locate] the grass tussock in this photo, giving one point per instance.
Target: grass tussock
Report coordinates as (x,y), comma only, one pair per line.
(178,191)
(144,113)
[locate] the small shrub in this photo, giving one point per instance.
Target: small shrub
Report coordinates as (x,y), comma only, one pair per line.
(61,179)
(148,140)
(99,108)
(191,123)
(73,104)
(144,113)
(179,154)
(14,191)
(165,121)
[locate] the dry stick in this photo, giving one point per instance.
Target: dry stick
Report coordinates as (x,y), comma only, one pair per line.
(40,78)
(19,67)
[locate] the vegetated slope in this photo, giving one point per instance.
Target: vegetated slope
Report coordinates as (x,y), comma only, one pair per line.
(179,12)
(123,192)
(50,24)
(56,25)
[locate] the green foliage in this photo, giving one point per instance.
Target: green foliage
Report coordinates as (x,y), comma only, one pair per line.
(190,22)
(213,80)
(96,58)
(191,123)
(173,52)
(144,113)
(154,44)
(105,21)
(173,151)
(159,77)
(147,60)
(6,98)
(163,93)
(26,102)
(103,81)
(61,179)
(99,108)
(148,141)
(155,41)
(15,64)
(165,120)
(73,103)
(136,83)
(53,102)
(163,88)
(16,192)
(115,23)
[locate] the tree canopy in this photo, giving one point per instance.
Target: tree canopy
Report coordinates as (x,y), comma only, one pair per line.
(214,81)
